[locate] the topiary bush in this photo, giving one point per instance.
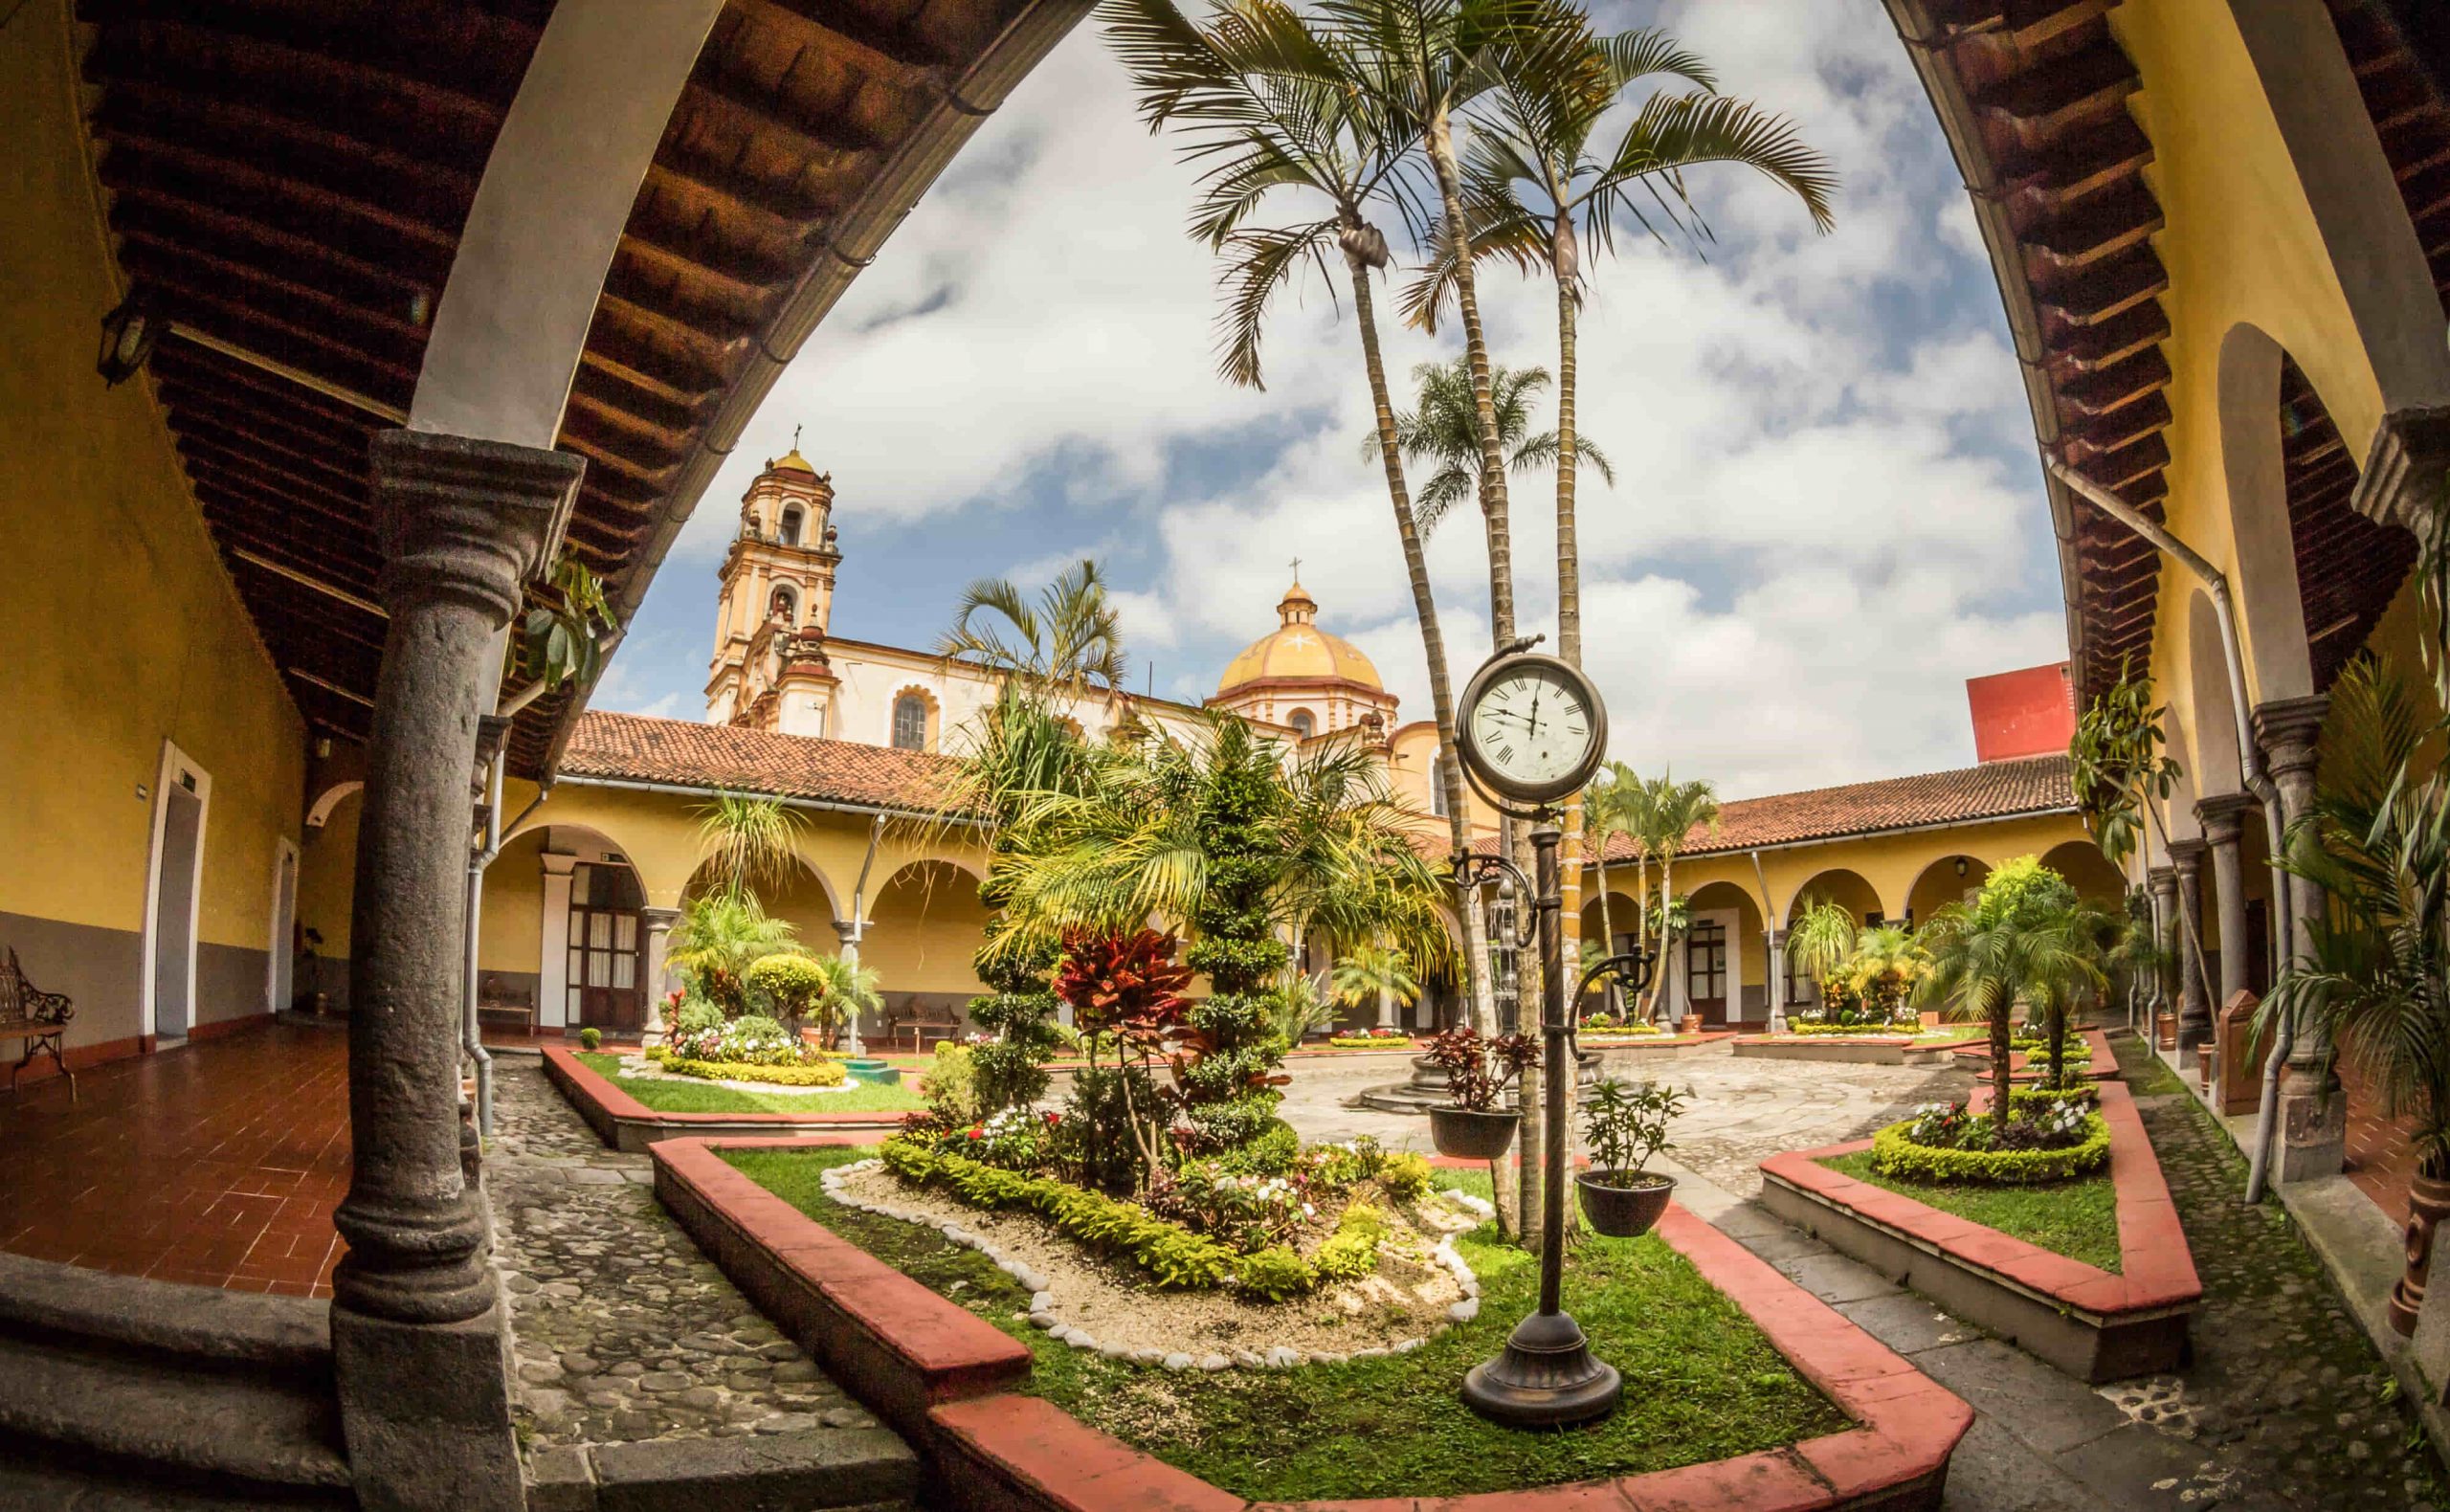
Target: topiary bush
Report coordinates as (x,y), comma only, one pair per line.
(1021,1015)
(789,984)
(1894,1153)
(590,1037)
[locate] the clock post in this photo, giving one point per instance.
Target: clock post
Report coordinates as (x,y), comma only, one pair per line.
(1545,1377)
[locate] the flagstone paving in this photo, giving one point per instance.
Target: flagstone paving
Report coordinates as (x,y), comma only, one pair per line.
(623,1330)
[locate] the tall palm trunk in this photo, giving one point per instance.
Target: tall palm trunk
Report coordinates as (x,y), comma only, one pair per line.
(1441,690)
(1666,884)
(1569,551)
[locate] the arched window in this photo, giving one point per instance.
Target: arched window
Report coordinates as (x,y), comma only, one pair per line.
(789,529)
(1304,724)
(784,605)
(910,722)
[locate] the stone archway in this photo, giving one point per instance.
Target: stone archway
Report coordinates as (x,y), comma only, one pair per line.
(1946,881)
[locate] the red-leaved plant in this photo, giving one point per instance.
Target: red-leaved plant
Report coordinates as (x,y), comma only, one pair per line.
(1477,1069)
(1130,986)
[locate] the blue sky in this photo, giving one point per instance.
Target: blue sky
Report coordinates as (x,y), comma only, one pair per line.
(1827,514)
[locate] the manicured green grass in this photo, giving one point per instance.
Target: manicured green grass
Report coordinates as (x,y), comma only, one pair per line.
(673,1096)
(1700,1381)
(2078,1218)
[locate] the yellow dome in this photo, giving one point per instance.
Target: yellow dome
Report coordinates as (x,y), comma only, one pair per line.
(793,462)
(1298,649)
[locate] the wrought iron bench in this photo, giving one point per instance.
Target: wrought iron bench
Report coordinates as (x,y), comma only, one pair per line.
(38,1020)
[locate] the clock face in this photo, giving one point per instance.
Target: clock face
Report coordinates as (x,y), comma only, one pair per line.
(1535,728)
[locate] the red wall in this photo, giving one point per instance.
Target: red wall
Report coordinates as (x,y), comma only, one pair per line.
(2027,713)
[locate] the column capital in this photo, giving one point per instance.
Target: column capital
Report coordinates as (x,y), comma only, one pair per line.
(2401,481)
(2223,814)
(556,863)
(2162,880)
(2288,728)
(464,518)
(2187,855)
(659,921)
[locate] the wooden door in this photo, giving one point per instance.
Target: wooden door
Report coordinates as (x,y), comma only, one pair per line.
(1706,969)
(606,943)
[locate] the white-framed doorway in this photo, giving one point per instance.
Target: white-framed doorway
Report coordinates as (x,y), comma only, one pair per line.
(281,966)
(174,893)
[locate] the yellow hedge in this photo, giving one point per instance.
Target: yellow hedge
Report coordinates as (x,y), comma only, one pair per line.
(823,1074)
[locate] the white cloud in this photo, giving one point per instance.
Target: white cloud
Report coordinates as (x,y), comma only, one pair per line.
(1821,524)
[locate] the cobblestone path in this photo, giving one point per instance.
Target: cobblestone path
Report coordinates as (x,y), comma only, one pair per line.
(622,1330)
(2285,1390)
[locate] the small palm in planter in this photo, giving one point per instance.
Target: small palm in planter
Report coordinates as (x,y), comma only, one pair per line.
(1626,1123)
(1474,1127)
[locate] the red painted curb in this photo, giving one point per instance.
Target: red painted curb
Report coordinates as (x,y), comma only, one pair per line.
(992,1450)
(901,1346)
(2157,1268)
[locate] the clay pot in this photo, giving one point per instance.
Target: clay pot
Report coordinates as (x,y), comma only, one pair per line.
(2165,1031)
(2428,1204)
(1623,1204)
(1468,1134)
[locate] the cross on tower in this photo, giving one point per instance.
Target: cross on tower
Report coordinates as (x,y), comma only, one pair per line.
(1296,569)
(795,439)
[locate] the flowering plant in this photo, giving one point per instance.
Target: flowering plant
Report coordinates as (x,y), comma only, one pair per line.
(1248,1211)
(1939,1123)
(1014,1139)
(751,1040)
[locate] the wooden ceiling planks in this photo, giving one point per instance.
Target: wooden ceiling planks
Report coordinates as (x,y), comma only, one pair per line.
(291,177)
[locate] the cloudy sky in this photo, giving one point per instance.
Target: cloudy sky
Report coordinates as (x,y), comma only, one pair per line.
(1827,512)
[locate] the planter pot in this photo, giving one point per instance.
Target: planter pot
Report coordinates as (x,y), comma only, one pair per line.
(1623,1212)
(1463,1134)
(2165,1031)
(1931,1018)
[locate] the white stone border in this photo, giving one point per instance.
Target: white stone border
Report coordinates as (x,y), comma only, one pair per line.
(1280,1357)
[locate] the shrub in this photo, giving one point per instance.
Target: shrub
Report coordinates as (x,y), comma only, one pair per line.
(1895,1153)
(1270,1152)
(1346,1257)
(695,1017)
(1275,1274)
(1626,1123)
(1170,1253)
(789,983)
(1477,1069)
(1020,1013)
(816,1074)
(1369,1041)
(1405,1176)
(950,1086)
(2025,1098)
(590,1037)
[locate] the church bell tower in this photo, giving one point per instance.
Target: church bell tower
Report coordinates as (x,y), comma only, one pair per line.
(769,669)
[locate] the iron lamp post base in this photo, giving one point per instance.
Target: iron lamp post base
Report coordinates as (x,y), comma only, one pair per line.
(1545,1379)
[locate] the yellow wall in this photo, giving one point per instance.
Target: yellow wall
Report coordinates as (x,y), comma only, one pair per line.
(925,927)
(118,627)
(514,908)
(327,881)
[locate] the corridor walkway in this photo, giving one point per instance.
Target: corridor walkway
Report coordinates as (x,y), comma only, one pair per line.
(216,1164)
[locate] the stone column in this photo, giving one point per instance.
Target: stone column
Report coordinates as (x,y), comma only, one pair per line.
(1777,981)
(2224,819)
(2163,883)
(2195,998)
(2313,1114)
(658,924)
(416,1325)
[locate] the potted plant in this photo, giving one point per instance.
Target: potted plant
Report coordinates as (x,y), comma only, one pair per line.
(1626,1123)
(1473,1127)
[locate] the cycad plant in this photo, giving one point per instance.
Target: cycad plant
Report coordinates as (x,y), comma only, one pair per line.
(2023,938)
(851,990)
(2375,979)
(1271,107)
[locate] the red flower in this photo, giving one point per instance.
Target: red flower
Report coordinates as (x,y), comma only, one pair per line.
(977,1133)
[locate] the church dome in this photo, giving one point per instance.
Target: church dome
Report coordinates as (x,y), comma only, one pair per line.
(793,462)
(1298,649)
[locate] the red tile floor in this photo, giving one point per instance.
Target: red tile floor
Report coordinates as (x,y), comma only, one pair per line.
(216,1164)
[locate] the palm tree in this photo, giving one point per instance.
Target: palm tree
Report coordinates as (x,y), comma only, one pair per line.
(1608,808)
(1368,972)
(1068,642)
(851,991)
(1539,190)
(748,841)
(1268,103)
(1444,430)
(1670,811)
(2029,943)
(720,936)
(1821,938)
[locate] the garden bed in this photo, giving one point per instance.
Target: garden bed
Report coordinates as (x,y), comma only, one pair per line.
(1719,1413)
(632,1114)
(1854,1049)
(2026,1066)
(2092,1321)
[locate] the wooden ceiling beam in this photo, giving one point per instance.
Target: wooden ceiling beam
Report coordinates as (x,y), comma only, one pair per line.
(2091,349)
(314,197)
(2120,383)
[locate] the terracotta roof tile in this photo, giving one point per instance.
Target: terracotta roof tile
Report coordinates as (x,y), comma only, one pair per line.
(1992,790)
(686,753)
